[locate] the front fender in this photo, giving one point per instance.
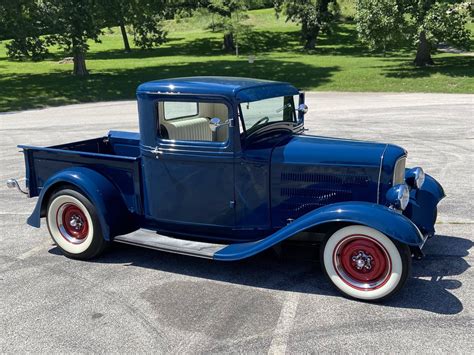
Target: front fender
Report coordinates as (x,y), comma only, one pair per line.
(113,215)
(422,209)
(379,217)
(433,187)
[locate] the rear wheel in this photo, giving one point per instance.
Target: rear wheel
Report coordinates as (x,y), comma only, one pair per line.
(74,225)
(365,264)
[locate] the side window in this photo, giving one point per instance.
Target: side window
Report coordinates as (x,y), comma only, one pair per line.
(175,109)
(193,121)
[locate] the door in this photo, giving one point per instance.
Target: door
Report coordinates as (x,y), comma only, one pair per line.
(189,176)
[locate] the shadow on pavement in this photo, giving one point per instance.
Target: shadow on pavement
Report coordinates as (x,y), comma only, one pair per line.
(434,276)
(428,289)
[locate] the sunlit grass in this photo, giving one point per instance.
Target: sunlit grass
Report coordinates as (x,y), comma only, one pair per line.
(340,63)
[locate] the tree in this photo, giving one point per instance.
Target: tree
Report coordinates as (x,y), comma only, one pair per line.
(143,16)
(313,15)
(116,13)
(20,21)
(228,18)
(377,23)
(383,23)
(146,22)
(75,22)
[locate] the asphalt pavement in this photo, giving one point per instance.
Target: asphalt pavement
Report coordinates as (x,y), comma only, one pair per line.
(138,300)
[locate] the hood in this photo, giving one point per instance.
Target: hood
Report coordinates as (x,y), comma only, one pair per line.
(308,172)
(303,149)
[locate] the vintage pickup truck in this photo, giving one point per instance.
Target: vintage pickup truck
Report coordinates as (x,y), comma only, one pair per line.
(223,169)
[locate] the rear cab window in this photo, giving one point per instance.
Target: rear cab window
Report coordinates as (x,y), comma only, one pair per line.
(191,121)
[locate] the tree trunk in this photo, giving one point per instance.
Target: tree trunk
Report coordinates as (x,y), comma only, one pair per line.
(125,37)
(310,41)
(423,52)
(229,45)
(309,35)
(80,63)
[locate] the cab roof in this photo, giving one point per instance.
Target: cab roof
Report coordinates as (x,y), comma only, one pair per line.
(241,89)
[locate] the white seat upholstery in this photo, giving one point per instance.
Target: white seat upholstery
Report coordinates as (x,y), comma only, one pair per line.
(192,129)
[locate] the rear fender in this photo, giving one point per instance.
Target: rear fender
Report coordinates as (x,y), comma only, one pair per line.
(381,218)
(112,212)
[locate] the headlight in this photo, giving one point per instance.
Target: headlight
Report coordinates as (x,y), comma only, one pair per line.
(398,196)
(415,177)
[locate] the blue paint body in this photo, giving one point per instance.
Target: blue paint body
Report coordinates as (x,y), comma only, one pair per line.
(245,191)
(372,215)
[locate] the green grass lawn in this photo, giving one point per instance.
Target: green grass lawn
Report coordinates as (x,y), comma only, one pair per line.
(339,64)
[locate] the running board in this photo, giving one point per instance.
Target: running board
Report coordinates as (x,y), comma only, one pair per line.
(150,239)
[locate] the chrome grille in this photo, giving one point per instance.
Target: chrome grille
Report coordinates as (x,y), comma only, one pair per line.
(399,171)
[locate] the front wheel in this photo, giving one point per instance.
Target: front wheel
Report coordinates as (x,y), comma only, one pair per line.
(365,264)
(74,225)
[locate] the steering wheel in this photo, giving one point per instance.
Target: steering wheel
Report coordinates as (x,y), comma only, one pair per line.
(262,120)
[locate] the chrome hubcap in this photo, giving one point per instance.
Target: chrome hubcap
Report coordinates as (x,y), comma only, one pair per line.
(76,222)
(362,260)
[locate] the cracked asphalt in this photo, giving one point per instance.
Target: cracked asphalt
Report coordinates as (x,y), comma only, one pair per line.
(138,300)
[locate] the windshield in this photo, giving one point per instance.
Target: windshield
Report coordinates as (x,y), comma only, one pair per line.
(261,113)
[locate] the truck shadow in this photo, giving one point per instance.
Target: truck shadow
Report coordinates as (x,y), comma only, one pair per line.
(428,289)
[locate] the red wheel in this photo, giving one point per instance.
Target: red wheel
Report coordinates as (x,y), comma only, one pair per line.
(364,263)
(72,222)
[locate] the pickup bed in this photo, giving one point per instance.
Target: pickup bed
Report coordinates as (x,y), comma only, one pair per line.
(115,156)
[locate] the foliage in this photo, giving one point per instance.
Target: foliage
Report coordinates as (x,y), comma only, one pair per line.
(446,23)
(144,17)
(21,21)
(315,16)
(379,23)
(71,24)
(147,22)
(75,23)
(228,17)
(27,47)
(259,4)
(426,23)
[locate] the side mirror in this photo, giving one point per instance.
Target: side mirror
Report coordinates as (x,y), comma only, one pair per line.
(303,108)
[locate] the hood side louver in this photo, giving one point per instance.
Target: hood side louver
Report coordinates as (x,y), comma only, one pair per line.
(302,192)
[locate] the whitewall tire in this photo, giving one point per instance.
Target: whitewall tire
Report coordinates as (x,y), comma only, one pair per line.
(364,263)
(73,224)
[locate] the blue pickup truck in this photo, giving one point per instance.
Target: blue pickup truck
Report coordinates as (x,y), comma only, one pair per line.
(223,169)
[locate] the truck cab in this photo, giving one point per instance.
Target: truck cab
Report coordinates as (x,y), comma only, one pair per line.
(206,152)
(223,169)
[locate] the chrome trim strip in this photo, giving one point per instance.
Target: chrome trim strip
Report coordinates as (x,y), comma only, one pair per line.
(380,173)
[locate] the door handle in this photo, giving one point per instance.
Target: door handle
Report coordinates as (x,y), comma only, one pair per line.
(157,153)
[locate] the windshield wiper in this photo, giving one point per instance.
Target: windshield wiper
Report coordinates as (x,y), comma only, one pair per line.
(288,105)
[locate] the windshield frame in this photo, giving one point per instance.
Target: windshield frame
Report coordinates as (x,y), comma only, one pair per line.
(294,122)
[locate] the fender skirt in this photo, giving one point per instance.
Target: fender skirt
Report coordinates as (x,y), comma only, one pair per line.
(113,215)
(387,221)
